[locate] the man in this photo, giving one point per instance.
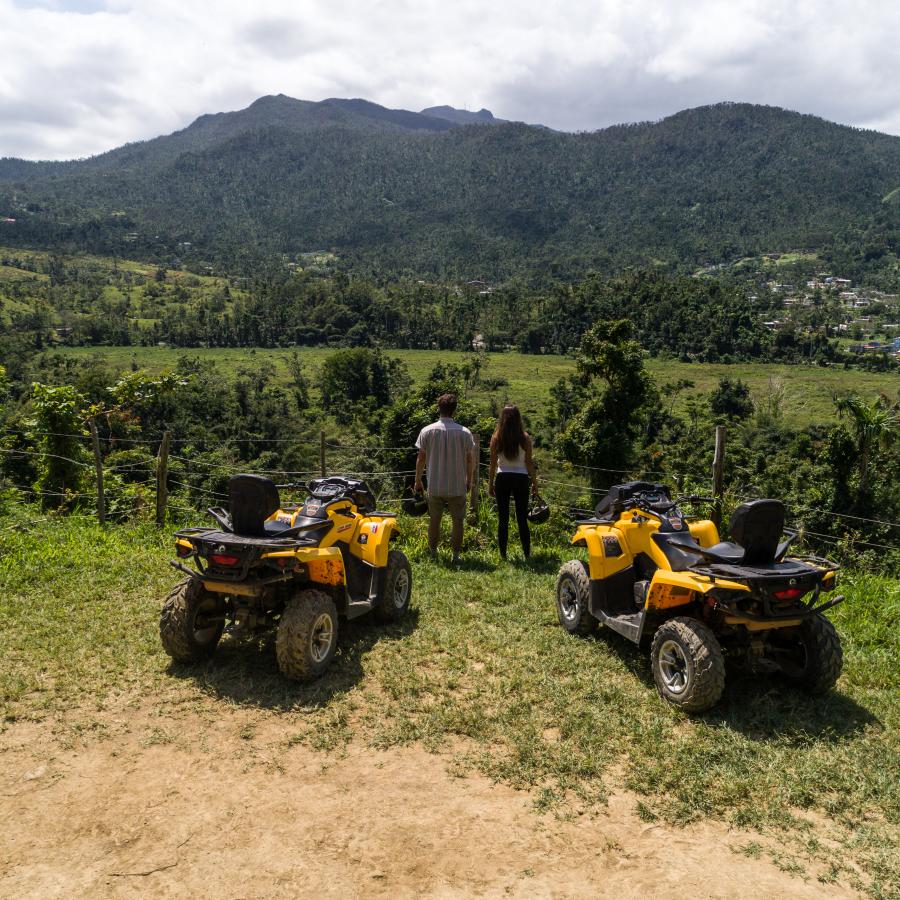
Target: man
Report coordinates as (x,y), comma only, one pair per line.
(447,450)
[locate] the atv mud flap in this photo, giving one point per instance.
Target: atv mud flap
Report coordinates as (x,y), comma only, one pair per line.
(629,625)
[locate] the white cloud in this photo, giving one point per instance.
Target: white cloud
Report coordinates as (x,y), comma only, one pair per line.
(81,76)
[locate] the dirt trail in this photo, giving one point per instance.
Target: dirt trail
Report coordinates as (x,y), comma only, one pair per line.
(217,807)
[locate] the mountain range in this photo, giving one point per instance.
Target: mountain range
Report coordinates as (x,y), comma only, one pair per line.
(437,193)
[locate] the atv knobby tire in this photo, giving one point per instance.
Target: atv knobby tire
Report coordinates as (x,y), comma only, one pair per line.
(397,589)
(184,634)
(573,593)
(688,666)
(820,657)
(307,635)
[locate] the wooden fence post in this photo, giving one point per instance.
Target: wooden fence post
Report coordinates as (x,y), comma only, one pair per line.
(718,474)
(162,478)
(322,452)
(98,467)
(474,487)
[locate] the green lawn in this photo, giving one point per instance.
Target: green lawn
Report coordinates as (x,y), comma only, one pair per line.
(481,669)
(808,389)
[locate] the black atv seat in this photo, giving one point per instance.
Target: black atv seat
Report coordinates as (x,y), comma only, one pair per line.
(252,499)
(306,531)
(756,529)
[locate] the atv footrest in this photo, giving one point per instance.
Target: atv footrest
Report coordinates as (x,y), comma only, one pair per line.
(629,625)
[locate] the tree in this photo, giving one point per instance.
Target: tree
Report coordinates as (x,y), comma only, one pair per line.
(299,381)
(603,406)
(731,399)
(59,415)
(357,376)
(874,425)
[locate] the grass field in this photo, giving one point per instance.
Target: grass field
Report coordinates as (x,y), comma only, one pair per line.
(481,669)
(809,390)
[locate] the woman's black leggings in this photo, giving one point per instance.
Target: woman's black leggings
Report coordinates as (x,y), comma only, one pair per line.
(515,485)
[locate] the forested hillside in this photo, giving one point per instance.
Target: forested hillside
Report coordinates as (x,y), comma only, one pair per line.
(401,192)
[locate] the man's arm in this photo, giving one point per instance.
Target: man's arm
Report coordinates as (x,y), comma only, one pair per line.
(420,469)
(471,462)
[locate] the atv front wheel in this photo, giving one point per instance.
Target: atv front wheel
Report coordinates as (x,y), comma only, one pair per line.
(688,666)
(810,656)
(397,589)
(191,621)
(573,593)
(307,635)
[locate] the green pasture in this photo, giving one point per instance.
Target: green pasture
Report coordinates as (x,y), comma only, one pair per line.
(808,390)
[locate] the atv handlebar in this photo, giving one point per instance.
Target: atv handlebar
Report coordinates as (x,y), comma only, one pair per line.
(641,502)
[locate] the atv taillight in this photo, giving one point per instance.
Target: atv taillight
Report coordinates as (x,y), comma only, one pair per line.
(222,559)
(789,594)
(182,551)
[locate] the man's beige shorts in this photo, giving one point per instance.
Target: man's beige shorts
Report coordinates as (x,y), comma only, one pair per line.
(456,505)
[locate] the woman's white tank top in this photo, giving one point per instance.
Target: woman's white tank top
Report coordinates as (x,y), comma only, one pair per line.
(505,464)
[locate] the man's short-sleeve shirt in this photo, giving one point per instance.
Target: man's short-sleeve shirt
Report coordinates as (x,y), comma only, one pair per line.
(447,445)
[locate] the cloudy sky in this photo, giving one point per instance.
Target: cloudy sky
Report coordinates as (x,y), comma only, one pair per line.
(81,76)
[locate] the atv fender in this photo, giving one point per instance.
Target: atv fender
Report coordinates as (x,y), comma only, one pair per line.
(669,589)
(705,532)
(607,550)
(372,538)
(324,565)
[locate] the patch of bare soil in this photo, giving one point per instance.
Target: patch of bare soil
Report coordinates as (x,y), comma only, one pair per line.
(226,806)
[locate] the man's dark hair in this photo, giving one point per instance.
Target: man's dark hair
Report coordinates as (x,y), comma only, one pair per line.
(447,404)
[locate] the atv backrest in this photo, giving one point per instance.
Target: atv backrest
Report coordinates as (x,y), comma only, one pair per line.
(757,526)
(253,499)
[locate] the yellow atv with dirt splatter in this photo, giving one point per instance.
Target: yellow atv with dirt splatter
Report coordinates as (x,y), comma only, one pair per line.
(665,581)
(298,569)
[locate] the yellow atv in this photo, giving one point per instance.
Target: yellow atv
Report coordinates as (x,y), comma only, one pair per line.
(662,580)
(294,568)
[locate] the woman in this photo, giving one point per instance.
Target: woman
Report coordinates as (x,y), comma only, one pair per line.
(511,472)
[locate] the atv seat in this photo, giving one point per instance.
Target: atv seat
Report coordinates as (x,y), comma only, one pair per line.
(756,529)
(252,498)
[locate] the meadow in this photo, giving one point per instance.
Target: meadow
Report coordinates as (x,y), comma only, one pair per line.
(809,391)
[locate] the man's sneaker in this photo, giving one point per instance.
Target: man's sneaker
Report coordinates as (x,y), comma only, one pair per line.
(457,559)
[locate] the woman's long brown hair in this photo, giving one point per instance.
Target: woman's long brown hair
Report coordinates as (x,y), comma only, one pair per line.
(509,435)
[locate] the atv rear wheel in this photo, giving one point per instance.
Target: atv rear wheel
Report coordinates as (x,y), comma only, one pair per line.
(810,656)
(191,621)
(307,635)
(397,589)
(573,593)
(688,666)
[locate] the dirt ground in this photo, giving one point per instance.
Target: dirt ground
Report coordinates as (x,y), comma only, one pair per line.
(219,805)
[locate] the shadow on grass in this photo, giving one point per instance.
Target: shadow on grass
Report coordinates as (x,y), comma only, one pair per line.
(541,562)
(246,671)
(761,707)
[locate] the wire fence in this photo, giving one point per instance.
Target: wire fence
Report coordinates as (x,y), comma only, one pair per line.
(192,480)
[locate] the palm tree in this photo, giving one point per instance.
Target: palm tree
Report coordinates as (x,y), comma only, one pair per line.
(874,424)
